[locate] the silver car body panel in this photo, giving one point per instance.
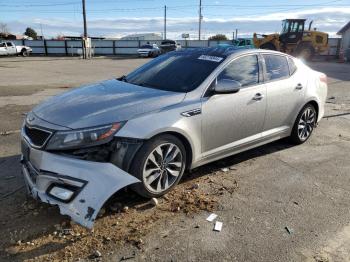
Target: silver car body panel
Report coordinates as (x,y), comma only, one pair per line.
(104,103)
(213,126)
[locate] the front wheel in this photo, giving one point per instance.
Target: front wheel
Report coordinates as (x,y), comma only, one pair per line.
(304,125)
(159,165)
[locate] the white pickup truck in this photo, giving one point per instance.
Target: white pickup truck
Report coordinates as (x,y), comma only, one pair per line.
(9,48)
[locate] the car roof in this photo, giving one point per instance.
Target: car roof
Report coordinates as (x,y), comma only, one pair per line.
(224,51)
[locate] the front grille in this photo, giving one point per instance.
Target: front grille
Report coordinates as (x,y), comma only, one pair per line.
(37,137)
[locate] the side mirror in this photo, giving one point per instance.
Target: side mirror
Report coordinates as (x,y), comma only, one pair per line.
(227,86)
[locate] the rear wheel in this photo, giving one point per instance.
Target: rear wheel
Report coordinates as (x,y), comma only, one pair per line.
(304,125)
(24,52)
(159,165)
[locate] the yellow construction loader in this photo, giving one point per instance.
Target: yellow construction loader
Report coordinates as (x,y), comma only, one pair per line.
(294,39)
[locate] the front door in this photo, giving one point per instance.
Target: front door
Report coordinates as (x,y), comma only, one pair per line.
(3,49)
(229,118)
(11,49)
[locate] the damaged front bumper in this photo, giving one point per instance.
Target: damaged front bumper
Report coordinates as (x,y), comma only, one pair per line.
(78,187)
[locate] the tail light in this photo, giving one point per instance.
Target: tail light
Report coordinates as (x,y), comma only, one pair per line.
(323,78)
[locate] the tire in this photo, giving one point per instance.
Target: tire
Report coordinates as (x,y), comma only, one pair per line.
(268,46)
(304,125)
(158,175)
(24,53)
(305,51)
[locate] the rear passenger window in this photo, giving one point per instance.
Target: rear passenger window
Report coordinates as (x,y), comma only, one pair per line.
(276,67)
(292,66)
(244,70)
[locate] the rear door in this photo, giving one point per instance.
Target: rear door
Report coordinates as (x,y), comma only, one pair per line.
(285,87)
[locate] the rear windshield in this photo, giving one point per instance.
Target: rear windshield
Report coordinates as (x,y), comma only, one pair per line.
(176,72)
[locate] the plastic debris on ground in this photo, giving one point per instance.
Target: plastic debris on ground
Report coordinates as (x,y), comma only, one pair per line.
(218,226)
(212,217)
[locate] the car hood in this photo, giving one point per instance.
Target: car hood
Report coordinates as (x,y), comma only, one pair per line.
(103,103)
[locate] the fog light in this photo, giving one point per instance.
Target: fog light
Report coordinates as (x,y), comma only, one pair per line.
(61,193)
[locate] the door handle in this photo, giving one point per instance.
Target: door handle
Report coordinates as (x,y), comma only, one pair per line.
(258,97)
(299,86)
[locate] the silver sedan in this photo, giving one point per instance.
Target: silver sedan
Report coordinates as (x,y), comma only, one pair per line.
(179,111)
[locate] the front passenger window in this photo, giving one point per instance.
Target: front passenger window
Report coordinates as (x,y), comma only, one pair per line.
(276,67)
(244,70)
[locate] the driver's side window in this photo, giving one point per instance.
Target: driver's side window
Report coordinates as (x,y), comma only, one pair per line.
(245,70)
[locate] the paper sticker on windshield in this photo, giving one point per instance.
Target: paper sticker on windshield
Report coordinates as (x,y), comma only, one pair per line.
(211,58)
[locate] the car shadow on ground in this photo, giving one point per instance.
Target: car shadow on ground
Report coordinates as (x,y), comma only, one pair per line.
(43,223)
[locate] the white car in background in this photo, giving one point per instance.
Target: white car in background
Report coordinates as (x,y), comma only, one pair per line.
(149,50)
(9,48)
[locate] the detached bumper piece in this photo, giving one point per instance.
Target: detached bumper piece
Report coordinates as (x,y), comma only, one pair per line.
(78,187)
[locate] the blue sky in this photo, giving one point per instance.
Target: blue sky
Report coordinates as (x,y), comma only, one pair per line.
(116,18)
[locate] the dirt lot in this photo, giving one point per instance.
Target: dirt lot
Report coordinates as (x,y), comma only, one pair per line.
(277,202)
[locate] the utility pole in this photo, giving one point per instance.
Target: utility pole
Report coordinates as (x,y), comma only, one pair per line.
(84,41)
(236,33)
(200,20)
(84,17)
(165,22)
(41,29)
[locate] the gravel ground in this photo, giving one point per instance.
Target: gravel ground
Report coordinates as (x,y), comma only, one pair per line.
(277,202)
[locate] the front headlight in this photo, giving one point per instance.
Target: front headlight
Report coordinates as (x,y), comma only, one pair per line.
(83,137)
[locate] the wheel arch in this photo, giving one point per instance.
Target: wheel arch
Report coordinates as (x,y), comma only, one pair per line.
(185,141)
(312,102)
(316,106)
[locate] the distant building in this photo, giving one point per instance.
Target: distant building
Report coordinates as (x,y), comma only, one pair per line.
(65,37)
(14,37)
(345,33)
(149,36)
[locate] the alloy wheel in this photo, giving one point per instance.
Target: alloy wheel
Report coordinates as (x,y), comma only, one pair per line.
(306,123)
(162,167)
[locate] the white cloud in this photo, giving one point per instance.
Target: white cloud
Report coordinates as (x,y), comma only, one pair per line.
(328,19)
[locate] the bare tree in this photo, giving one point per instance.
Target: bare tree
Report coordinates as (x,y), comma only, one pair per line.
(4,28)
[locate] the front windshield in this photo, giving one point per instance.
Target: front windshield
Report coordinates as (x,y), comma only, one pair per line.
(176,71)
